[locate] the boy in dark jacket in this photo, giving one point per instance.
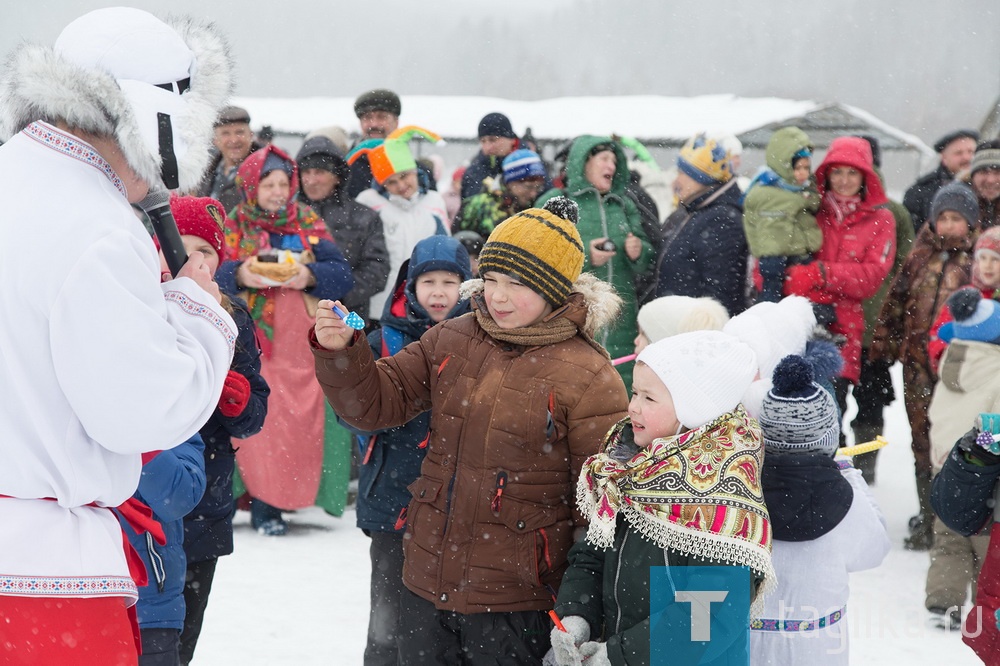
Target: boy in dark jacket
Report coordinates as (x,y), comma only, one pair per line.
(426,293)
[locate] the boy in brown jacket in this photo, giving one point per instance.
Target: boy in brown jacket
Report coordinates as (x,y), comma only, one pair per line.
(520,395)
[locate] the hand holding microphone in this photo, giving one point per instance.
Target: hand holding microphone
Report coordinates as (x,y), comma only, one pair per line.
(156,205)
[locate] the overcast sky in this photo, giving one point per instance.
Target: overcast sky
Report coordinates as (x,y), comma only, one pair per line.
(923,65)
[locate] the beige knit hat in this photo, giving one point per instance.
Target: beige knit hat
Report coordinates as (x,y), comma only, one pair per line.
(669,315)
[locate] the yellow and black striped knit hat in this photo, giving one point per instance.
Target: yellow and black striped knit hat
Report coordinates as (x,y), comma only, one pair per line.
(539,246)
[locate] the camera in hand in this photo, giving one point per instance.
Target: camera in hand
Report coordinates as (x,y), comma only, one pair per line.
(607,245)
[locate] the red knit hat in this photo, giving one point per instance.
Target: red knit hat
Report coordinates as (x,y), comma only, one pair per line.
(989,240)
(200,216)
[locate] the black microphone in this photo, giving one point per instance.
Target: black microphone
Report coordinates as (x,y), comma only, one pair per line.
(156,205)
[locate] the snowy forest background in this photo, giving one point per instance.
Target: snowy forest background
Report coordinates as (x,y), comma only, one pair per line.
(924,66)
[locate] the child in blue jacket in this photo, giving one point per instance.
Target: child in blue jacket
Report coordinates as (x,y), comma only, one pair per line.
(171,484)
(426,292)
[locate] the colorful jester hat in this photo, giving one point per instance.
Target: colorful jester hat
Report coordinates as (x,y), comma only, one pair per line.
(391,155)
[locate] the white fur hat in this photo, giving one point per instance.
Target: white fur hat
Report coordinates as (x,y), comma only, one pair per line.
(706,372)
(667,316)
(122,73)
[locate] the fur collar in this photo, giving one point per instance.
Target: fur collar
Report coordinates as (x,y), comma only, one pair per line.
(602,302)
(39,84)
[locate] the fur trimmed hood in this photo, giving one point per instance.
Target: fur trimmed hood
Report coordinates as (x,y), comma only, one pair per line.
(103,77)
(601,300)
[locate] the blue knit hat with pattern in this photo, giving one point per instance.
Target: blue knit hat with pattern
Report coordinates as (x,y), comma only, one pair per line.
(522,164)
(798,415)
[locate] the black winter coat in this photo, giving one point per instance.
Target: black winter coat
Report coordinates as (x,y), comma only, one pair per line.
(208,529)
(918,198)
(356,228)
(704,250)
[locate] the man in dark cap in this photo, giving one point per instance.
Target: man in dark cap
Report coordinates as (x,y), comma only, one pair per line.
(378,114)
(956,150)
(496,141)
(234,141)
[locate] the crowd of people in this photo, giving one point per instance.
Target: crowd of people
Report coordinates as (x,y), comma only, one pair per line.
(545,385)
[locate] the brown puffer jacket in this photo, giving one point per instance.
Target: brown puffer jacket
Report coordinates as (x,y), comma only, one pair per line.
(934,269)
(492,515)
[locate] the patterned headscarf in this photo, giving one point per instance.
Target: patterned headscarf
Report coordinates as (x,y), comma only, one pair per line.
(697,493)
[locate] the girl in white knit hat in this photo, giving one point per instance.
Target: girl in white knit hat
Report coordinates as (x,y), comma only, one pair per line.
(677,483)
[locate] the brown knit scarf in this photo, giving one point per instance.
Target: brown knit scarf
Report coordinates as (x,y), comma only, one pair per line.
(547,332)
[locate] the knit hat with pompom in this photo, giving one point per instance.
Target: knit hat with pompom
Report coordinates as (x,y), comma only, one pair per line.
(798,415)
(975,318)
(539,246)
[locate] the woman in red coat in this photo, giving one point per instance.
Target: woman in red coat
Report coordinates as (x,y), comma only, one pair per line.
(859,244)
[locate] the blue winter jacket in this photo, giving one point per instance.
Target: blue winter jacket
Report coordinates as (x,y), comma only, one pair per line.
(962,492)
(704,250)
(392,461)
(208,529)
(171,485)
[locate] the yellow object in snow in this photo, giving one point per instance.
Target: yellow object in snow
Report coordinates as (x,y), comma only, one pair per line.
(865,447)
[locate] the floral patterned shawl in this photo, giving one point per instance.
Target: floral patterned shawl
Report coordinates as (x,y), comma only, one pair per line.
(697,493)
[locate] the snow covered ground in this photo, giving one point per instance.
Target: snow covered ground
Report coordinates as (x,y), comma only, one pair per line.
(303,599)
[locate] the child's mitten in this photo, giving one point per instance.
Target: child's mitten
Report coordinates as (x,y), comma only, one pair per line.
(566,644)
(235,395)
(595,654)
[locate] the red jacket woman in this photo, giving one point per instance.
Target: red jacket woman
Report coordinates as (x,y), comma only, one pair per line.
(859,244)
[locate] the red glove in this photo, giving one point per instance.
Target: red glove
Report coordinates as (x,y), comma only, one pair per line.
(235,395)
(805,280)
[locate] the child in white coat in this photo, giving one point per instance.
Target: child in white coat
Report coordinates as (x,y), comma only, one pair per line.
(824,520)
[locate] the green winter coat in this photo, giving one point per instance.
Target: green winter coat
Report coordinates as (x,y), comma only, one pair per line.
(780,222)
(612,215)
(610,589)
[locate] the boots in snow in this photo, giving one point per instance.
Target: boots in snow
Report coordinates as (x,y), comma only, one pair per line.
(945,619)
(922,525)
(865,462)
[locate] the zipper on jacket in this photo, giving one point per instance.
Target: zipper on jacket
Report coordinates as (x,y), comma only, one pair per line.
(369,449)
(618,574)
(550,421)
(401,519)
(545,550)
(501,483)
(611,262)
(159,572)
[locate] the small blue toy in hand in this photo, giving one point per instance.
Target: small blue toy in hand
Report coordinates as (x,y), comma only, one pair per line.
(352,319)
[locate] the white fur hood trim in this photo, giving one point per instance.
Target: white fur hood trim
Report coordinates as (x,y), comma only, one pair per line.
(39,84)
